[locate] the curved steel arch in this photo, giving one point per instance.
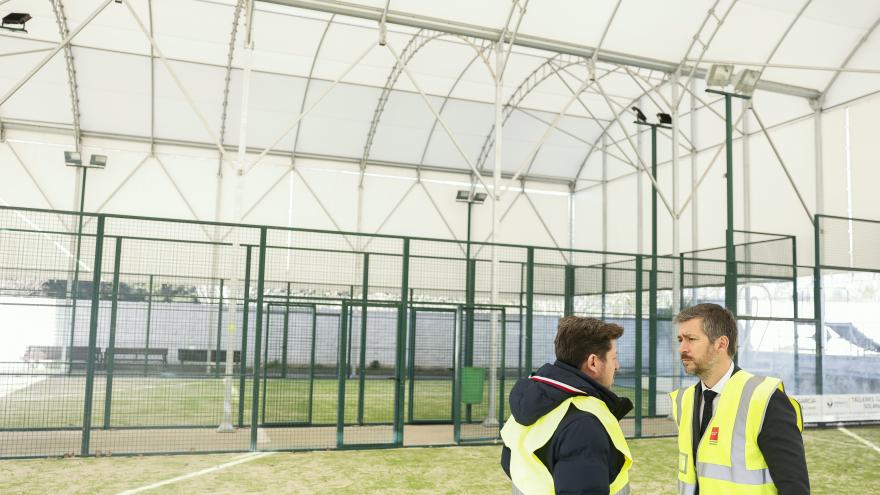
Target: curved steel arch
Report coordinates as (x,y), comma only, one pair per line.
(530,82)
(235,19)
(61,19)
(305,97)
(851,54)
(443,106)
(416,43)
(607,127)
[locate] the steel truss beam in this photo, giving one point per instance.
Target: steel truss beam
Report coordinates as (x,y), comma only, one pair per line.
(61,19)
(491,34)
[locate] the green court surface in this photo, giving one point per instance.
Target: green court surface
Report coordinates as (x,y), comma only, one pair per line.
(838,463)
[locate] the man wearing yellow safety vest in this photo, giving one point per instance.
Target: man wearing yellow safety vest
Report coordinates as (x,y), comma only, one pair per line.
(738,433)
(563,434)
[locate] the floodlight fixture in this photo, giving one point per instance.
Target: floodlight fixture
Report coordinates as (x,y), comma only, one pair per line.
(10,21)
(465,196)
(719,75)
(73,158)
(640,117)
(664,118)
(746,81)
(98,161)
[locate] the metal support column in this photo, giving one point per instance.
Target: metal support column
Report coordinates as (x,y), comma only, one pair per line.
(401,346)
(258,332)
(638,383)
(530,305)
(817,301)
(285,338)
(93,338)
(652,287)
(149,322)
(111,346)
(569,290)
(244,335)
(362,372)
(219,331)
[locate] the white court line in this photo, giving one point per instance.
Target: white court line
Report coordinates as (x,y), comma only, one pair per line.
(866,442)
(240,460)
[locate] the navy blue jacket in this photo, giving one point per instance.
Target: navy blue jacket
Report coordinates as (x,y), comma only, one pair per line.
(580,455)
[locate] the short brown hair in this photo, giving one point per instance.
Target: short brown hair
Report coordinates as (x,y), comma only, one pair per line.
(717,321)
(577,337)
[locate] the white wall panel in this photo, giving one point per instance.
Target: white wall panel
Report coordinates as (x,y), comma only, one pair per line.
(274,103)
(45,97)
(175,118)
(338,125)
(403,128)
(117,100)
(865,159)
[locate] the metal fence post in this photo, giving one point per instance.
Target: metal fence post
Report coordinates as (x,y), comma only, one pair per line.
(341,375)
(93,338)
(638,350)
(817,301)
(258,324)
(568,291)
(286,336)
(530,302)
(219,331)
(244,334)
(109,357)
(149,322)
(401,346)
(363,340)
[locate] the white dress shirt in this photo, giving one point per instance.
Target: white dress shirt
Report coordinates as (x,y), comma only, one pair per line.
(717,389)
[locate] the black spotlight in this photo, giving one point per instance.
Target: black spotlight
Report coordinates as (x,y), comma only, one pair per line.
(639,115)
(664,118)
(10,21)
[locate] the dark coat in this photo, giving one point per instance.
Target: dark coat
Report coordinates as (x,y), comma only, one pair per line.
(580,455)
(780,441)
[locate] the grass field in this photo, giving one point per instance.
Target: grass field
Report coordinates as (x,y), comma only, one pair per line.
(57,401)
(838,463)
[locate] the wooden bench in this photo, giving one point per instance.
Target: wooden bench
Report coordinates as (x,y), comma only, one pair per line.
(81,354)
(138,354)
(201,355)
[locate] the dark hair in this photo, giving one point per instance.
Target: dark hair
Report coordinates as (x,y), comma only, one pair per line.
(577,337)
(716,321)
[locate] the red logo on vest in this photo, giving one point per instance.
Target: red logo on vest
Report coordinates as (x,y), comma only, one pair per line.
(713,435)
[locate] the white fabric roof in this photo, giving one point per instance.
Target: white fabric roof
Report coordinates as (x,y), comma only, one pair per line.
(123,88)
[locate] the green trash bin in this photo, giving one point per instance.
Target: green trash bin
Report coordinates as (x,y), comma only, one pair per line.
(472,380)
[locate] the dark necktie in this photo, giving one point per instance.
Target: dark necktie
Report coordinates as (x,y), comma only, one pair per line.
(708,399)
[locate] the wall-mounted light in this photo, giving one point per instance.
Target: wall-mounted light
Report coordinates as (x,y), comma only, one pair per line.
(98,161)
(15,19)
(746,81)
(464,196)
(73,158)
(719,75)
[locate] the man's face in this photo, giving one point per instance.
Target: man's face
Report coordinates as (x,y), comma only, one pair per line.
(698,355)
(608,367)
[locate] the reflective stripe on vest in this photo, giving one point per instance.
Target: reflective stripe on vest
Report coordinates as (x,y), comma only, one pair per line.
(529,475)
(739,415)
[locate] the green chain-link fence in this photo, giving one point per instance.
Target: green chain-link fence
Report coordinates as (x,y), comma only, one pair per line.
(146,335)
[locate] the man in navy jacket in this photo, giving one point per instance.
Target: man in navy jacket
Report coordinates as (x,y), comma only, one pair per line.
(580,455)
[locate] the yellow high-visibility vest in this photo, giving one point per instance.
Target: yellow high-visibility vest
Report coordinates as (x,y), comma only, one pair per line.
(528,473)
(728,460)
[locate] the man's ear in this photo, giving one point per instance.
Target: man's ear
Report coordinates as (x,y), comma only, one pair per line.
(722,343)
(590,364)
